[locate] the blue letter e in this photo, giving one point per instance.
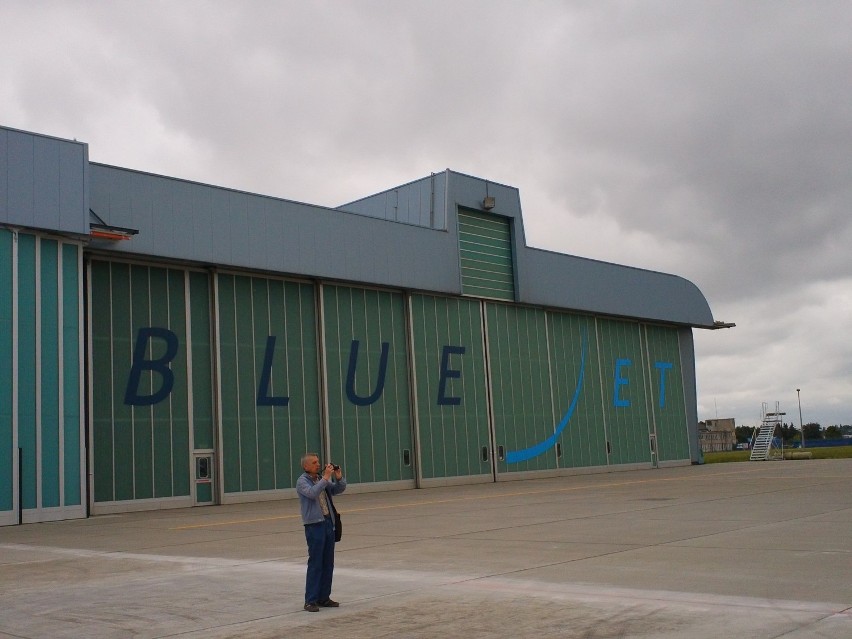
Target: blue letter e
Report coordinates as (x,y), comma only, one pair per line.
(447,373)
(621,381)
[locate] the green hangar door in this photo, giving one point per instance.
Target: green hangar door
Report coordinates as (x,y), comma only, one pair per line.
(519,370)
(668,406)
(150,386)
(626,393)
(578,411)
(450,389)
(269,379)
(366,369)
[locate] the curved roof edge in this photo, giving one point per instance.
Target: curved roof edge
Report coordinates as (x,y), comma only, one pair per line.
(568,281)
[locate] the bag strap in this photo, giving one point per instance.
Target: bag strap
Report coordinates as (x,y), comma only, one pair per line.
(330,500)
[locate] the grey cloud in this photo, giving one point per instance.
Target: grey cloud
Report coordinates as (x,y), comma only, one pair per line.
(711,140)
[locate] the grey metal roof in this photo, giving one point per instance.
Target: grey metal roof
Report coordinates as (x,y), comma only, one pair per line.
(405,237)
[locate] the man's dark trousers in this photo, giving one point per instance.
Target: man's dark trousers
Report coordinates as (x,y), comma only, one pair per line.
(320,538)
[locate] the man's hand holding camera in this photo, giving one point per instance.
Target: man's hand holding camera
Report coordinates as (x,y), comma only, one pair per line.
(332,469)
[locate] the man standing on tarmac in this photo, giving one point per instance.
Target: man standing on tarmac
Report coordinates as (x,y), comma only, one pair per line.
(318,517)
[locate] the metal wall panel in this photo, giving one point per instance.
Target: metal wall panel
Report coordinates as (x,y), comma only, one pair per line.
(366,363)
(27,373)
(422,202)
(668,406)
(270,410)
(20,178)
(577,394)
(625,394)
(485,253)
(144,425)
(690,392)
(8,443)
(140,380)
(201,356)
(46,195)
(5,161)
(519,370)
(43,182)
(451,392)
(71,366)
(104,386)
(40,368)
(49,378)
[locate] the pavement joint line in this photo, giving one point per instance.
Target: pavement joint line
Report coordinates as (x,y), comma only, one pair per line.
(431,502)
(597,592)
(414,581)
(83,553)
(234,522)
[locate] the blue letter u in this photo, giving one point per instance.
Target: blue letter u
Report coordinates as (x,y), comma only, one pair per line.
(350,376)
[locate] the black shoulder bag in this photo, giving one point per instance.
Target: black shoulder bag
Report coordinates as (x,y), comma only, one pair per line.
(338,525)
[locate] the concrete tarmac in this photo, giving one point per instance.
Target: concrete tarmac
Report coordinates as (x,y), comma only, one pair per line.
(758,550)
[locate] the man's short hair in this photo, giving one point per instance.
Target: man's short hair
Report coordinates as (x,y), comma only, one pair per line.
(307,456)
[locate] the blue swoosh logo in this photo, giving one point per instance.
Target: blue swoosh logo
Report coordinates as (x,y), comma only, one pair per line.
(515,456)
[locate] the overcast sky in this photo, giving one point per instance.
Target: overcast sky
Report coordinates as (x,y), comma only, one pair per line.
(712,140)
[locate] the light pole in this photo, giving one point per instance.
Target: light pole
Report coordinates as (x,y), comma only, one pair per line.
(801,428)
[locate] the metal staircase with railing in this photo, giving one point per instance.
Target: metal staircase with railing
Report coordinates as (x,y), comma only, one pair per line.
(763,446)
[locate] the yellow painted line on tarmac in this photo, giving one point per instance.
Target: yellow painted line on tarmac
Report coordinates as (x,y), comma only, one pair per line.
(235,522)
(521,493)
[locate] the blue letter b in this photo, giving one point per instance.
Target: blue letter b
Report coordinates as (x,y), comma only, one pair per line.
(161,366)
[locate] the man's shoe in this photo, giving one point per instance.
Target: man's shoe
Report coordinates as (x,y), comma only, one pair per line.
(311,607)
(329,603)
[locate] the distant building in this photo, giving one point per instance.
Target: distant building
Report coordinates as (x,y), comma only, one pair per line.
(716,435)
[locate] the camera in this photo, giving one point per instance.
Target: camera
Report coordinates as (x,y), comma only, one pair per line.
(335,467)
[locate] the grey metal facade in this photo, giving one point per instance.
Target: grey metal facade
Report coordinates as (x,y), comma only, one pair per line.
(226,331)
(193,222)
(43,182)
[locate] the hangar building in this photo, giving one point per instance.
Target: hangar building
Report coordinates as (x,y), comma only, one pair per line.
(165,343)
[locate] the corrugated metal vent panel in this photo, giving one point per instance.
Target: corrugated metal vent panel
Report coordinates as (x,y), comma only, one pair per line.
(485,249)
